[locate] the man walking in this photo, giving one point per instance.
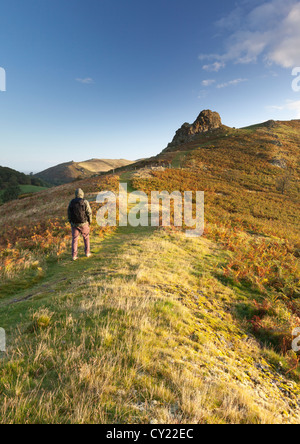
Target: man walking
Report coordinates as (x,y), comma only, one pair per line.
(80,218)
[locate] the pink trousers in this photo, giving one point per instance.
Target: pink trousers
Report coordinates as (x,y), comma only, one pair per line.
(76,232)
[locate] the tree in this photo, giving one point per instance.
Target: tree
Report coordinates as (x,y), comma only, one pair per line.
(283,183)
(13,181)
(11,193)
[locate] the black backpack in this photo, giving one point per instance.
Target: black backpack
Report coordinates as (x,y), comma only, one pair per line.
(78,211)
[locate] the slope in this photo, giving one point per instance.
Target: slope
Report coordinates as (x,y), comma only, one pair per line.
(144,332)
(252,210)
(156,327)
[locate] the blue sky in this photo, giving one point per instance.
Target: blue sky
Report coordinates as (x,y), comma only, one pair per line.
(116,78)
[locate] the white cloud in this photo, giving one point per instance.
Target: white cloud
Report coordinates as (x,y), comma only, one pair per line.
(86,81)
(231,83)
(214,66)
(288,106)
(270,31)
(294,106)
(208,82)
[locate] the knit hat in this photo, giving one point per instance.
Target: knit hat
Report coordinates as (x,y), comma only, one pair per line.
(79,193)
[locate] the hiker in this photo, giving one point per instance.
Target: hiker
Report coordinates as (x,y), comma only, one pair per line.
(80,218)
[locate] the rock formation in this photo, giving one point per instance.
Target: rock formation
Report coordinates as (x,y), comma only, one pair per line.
(206,121)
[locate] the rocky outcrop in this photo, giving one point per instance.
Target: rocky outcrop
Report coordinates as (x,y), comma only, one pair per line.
(206,121)
(270,124)
(280,163)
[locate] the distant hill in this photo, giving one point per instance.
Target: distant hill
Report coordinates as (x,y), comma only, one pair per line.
(67,172)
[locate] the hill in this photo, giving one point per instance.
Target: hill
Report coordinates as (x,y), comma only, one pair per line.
(157,327)
(13,183)
(67,172)
(9,176)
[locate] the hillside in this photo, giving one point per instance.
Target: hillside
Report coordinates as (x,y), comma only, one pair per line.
(67,172)
(13,183)
(9,176)
(157,327)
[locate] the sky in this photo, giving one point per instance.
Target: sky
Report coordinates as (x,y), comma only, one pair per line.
(116,78)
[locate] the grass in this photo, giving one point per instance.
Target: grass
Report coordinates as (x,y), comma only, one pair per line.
(131,337)
(249,217)
(28,189)
(156,327)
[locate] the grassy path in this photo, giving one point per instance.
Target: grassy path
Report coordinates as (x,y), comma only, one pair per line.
(142,332)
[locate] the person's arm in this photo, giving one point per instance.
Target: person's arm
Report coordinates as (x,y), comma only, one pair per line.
(89,213)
